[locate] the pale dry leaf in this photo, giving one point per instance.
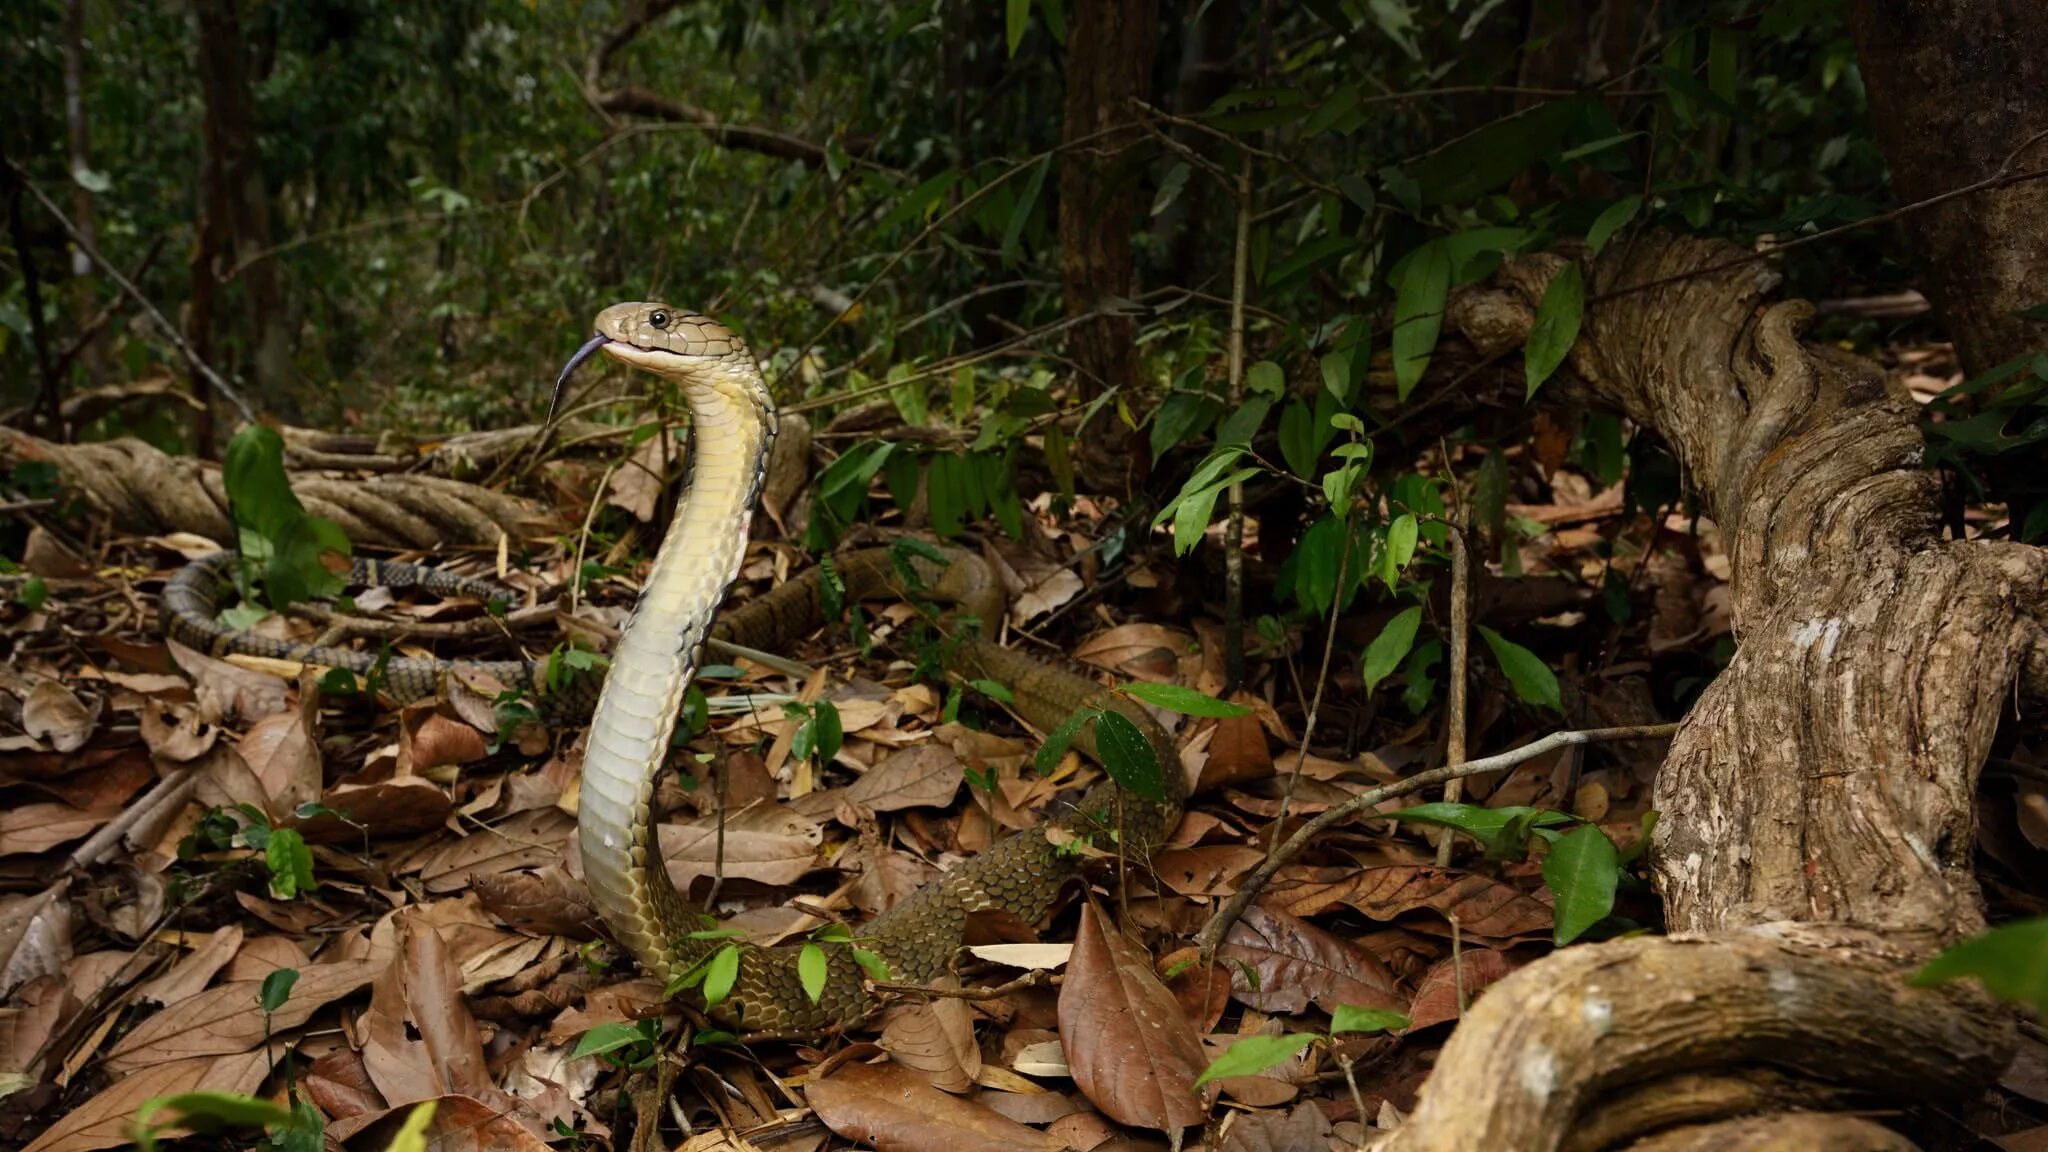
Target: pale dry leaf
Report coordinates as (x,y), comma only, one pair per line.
(887,878)
(926,776)
(1297,962)
(174,732)
(528,839)
(225,1019)
(1131,1048)
(108,1119)
(29,1020)
(284,752)
(892,1108)
(636,485)
(1026,956)
(1048,593)
(56,716)
(191,974)
(35,828)
(1304,1127)
(1209,870)
(1045,1058)
(764,844)
(936,1039)
(434,1000)
(1140,651)
(45,555)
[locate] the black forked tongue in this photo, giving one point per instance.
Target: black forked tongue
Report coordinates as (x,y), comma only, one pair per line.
(568,370)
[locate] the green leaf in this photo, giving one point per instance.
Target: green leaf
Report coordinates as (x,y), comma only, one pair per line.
(876,967)
(1611,220)
(607,1038)
(1301,440)
(1532,681)
(994,691)
(811,970)
(1128,757)
(1420,686)
(919,198)
(1557,325)
(1581,870)
(1402,536)
(2011,960)
(1240,426)
(1485,160)
(1341,102)
(826,730)
(1352,1018)
(1266,378)
(1186,701)
(1391,646)
(1060,739)
(34,593)
(1180,416)
(277,537)
(204,1112)
(291,863)
(277,988)
(720,974)
(1419,314)
(1253,1055)
(1016,19)
(92,180)
(1026,201)
(1501,831)
(1170,186)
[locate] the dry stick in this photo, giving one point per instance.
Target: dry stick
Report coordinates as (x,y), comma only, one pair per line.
(128,287)
(1461,639)
(1233,532)
(1248,890)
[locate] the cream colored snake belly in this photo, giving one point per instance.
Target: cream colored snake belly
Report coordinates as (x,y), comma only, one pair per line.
(733,427)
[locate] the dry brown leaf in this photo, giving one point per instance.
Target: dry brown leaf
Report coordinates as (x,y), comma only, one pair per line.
(547,902)
(284,752)
(636,485)
(1470,971)
(887,878)
(389,810)
(936,1039)
(460,1124)
(765,844)
(892,1108)
(190,975)
(1482,905)
(1238,753)
(341,1086)
(1054,589)
(225,1019)
(227,692)
(1141,651)
(108,1119)
(1304,1127)
(429,738)
(926,776)
(530,839)
(1129,1045)
(1297,962)
(29,1020)
(174,732)
(56,716)
(1210,870)
(33,828)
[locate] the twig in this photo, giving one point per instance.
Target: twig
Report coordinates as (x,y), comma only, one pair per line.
(1250,887)
(128,287)
(1233,530)
(1035,978)
(1461,639)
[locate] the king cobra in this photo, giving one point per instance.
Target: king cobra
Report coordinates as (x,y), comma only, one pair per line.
(732,430)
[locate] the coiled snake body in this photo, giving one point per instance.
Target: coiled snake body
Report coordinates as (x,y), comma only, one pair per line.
(733,427)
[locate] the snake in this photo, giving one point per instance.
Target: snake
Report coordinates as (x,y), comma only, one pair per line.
(635,711)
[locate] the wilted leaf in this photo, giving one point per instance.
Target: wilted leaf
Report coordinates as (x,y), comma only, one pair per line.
(1132,1051)
(926,776)
(1297,963)
(55,715)
(892,1108)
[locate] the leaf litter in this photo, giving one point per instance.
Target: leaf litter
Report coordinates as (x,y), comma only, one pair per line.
(446,950)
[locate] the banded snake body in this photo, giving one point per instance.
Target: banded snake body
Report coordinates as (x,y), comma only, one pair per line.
(733,428)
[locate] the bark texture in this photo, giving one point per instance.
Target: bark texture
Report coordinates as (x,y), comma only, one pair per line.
(1956,86)
(1817,804)
(1110,48)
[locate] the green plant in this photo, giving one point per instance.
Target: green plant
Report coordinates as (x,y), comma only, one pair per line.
(2011,961)
(283,547)
(1254,1054)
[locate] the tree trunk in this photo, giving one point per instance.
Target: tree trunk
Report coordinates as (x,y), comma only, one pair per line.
(78,134)
(1109,63)
(1956,86)
(234,231)
(1817,803)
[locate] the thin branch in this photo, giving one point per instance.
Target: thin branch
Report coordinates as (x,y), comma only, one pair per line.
(1233,530)
(1249,888)
(128,287)
(1461,639)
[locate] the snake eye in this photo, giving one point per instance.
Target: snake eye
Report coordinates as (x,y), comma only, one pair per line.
(658,318)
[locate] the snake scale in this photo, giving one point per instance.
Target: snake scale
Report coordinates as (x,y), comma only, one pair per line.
(732,430)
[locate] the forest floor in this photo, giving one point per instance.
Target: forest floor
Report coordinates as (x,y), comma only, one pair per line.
(176,830)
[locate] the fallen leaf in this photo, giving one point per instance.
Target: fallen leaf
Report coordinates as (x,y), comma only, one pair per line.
(1141,651)
(1132,1051)
(1469,972)
(32,828)
(892,1108)
(226,1019)
(56,716)
(341,1086)
(936,1039)
(1304,1127)
(227,692)
(29,1020)
(283,751)
(1028,956)
(108,1119)
(430,739)
(1054,589)
(529,839)
(548,902)
(459,1124)
(926,776)
(190,975)
(636,485)
(1210,870)
(765,844)
(1238,753)
(1481,905)
(1297,962)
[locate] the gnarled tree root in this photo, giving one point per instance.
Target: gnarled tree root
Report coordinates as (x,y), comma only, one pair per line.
(142,491)
(1817,802)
